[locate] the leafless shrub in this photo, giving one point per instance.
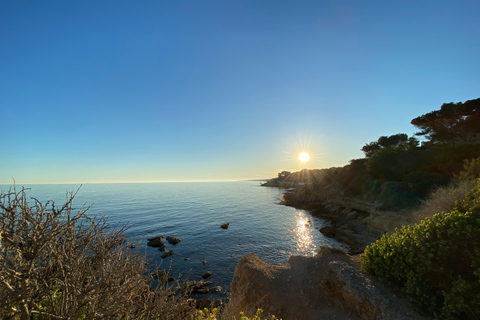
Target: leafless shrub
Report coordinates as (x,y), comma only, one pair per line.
(58,264)
(443,198)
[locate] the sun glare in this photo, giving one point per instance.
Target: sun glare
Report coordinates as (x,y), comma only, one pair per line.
(304,157)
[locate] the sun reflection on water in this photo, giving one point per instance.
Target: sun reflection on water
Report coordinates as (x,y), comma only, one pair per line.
(303,232)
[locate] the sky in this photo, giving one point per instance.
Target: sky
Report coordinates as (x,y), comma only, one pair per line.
(144,91)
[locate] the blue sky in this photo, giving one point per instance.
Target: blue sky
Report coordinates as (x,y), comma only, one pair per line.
(125,91)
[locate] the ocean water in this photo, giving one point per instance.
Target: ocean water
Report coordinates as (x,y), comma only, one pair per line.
(193,212)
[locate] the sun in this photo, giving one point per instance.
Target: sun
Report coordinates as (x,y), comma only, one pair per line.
(304,157)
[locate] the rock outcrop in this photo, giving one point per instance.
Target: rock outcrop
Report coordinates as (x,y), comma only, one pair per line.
(327,286)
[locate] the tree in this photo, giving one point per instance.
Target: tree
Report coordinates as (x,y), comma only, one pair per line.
(283,175)
(454,122)
(399,141)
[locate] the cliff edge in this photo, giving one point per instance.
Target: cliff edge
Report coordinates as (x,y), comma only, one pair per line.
(329,285)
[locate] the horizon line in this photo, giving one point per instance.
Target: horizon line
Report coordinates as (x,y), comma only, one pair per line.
(126,182)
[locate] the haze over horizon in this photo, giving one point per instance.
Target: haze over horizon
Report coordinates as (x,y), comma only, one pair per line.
(121,91)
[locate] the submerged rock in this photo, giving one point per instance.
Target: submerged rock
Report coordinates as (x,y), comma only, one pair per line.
(168,254)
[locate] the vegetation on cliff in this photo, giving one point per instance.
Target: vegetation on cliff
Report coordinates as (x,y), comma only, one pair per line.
(436,263)
(398,171)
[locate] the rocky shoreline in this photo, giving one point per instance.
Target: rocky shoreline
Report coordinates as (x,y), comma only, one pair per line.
(354,222)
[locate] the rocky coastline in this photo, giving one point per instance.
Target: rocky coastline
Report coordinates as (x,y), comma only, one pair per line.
(353,221)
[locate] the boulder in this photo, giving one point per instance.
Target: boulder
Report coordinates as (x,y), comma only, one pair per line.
(202,284)
(329,285)
(156,242)
(168,254)
(202,291)
(215,289)
(173,240)
(225,225)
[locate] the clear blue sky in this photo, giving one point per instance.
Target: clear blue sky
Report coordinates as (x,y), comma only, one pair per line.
(123,91)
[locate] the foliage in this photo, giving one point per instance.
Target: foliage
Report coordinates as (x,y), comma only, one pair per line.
(399,141)
(436,263)
(258,316)
(205,314)
(454,122)
(58,264)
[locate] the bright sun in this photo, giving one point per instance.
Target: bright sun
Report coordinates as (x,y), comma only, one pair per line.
(304,157)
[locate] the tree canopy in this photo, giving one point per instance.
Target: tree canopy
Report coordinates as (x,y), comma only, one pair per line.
(398,141)
(454,122)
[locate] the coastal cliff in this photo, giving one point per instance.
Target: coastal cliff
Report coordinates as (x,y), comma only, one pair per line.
(329,285)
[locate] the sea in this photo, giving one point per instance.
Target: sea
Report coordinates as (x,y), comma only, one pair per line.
(194,212)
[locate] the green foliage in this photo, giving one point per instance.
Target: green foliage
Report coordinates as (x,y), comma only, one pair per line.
(258,316)
(436,263)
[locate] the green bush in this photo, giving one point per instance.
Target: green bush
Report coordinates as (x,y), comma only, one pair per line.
(436,263)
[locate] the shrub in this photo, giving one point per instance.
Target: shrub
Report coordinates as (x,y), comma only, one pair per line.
(443,199)
(57,264)
(436,263)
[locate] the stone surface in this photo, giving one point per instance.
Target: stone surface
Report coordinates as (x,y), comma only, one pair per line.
(225,225)
(156,242)
(216,289)
(172,240)
(327,286)
(168,254)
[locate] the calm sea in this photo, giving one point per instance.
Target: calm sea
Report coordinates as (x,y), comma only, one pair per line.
(193,212)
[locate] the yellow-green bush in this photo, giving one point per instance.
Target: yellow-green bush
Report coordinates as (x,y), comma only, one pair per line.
(436,263)
(206,314)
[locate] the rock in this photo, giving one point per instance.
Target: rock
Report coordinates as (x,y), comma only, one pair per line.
(168,254)
(203,303)
(352,215)
(185,259)
(173,240)
(328,231)
(170,279)
(202,291)
(225,225)
(206,275)
(215,289)
(329,285)
(156,242)
(217,303)
(204,262)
